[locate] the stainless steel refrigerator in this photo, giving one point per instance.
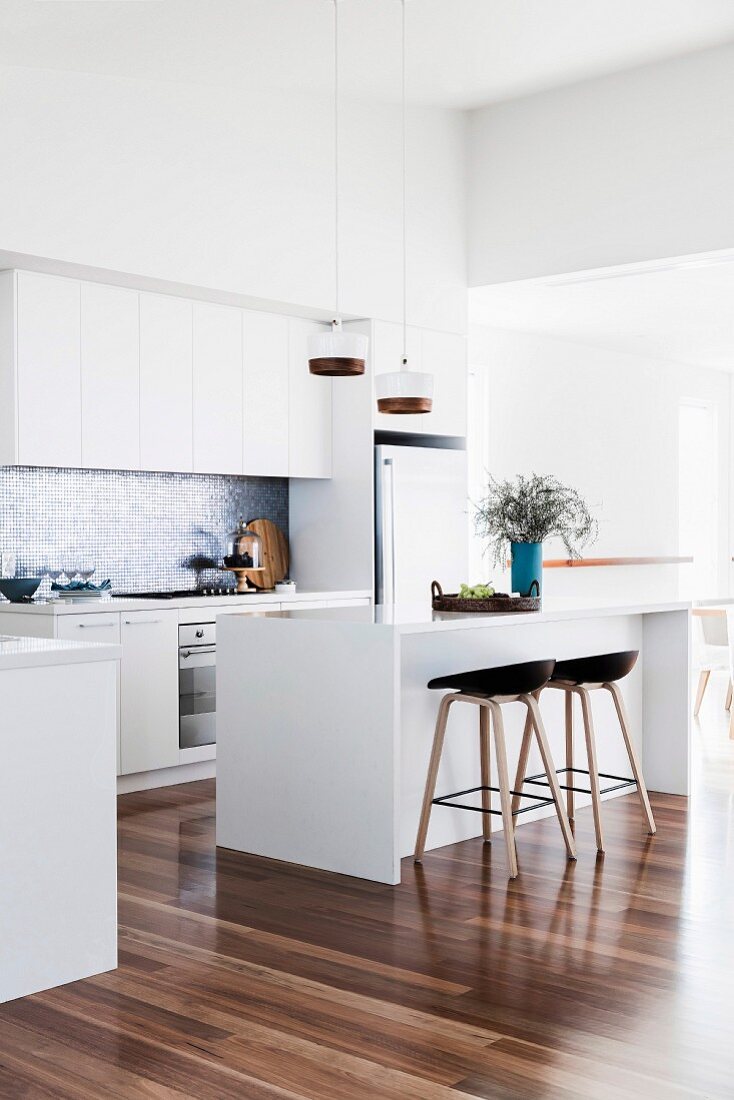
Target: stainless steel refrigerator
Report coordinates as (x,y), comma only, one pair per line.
(421,522)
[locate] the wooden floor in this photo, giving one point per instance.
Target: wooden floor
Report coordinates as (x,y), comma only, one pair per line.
(244,978)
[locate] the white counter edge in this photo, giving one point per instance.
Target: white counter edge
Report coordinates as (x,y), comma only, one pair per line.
(441,621)
(18,652)
(256,600)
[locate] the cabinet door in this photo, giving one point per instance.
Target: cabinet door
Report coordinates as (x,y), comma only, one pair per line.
(443,354)
(309,412)
(110,359)
(218,385)
(149,691)
(49,377)
(265,397)
(386,356)
(166,394)
(102,627)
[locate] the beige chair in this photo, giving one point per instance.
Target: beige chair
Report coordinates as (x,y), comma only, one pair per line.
(711,652)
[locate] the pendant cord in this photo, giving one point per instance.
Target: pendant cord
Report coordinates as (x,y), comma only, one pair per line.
(336,160)
(405,202)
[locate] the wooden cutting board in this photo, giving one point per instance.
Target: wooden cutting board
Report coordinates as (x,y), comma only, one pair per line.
(275,554)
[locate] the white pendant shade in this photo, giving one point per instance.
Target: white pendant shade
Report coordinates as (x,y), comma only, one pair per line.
(336,353)
(404,391)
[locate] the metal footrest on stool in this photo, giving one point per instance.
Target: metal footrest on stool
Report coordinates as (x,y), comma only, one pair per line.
(541,780)
(444,801)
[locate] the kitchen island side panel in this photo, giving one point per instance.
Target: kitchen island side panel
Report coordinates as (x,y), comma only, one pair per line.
(307,743)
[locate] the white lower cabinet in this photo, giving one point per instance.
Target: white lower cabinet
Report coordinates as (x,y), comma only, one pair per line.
(149,691)
(148,685)
(94,628)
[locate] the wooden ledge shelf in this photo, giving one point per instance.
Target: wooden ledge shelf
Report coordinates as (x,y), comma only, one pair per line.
(595,563)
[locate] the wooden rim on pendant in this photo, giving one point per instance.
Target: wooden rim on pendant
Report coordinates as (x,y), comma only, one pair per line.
(336,366)
(404,404)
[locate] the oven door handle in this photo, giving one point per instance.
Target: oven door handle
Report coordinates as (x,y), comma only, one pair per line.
(197,651)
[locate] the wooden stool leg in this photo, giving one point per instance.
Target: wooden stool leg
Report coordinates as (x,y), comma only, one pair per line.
(729,692)
(569,753)
(484,758)
(703,680)
(593,768)
(522,763)
(550,771)
(503,779)
(438,738)
(634,762)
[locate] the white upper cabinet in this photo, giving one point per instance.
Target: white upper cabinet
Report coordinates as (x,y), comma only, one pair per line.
(166,383)
(266,394)
(443,354)
(109,377)
(309,437)
(218,388)
(110,357)
(48,371)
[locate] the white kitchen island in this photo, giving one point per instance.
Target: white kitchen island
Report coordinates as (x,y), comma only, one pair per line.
(324,723)
(58,852)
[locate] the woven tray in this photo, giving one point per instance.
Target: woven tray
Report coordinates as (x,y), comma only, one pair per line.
(503,604)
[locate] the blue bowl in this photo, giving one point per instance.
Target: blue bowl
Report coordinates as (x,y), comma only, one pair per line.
(19,589)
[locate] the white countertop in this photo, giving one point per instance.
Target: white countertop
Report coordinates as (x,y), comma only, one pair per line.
(114,603)
(420,618)
(41,652)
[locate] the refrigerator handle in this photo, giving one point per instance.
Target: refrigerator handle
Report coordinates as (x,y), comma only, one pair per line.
(386,589)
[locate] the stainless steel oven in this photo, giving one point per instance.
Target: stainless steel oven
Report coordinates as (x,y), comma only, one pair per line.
(197,684)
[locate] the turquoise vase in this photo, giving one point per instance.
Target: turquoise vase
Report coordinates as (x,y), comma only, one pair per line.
(527,568)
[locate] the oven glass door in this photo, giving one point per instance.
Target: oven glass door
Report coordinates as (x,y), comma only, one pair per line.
(197,696)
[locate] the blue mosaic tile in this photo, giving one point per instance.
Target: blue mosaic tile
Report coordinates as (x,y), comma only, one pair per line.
(145,531)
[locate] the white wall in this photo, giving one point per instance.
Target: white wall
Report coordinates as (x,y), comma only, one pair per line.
(607,424)
(196,185)
(616,170)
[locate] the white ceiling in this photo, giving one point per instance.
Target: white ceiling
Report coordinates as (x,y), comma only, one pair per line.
(685,313)
(462,53)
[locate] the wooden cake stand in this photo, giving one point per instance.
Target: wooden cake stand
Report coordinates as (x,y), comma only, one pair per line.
(243,585)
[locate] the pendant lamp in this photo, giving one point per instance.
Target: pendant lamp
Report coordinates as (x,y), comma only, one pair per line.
(404,390)
(336,353)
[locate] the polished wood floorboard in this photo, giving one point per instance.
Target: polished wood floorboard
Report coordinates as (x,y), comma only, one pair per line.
(240,977)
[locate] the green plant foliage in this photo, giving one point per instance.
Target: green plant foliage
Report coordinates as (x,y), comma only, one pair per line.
(533,509)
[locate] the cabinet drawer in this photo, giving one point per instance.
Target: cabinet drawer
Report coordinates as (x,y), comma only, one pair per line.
(89,628)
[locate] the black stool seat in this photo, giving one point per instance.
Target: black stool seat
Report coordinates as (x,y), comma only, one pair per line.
(520,679)
(603,668)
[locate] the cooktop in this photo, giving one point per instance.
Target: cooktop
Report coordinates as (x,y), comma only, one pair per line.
(182,594)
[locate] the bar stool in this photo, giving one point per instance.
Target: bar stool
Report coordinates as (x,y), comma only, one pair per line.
(579,677)
(488,689)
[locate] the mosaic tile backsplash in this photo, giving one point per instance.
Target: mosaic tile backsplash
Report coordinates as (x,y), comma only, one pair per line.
(145,531)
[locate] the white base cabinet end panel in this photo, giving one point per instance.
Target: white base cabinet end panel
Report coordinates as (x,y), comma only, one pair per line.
(58,856)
